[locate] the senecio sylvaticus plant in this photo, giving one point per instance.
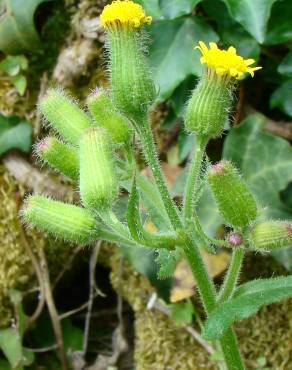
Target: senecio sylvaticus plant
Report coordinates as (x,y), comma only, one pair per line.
(95,149)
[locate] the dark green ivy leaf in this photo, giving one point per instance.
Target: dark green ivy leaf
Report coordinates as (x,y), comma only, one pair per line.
(282,98)
(15,133)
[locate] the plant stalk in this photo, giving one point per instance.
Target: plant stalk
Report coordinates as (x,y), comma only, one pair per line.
(232,275)
(150,153)
(205,284)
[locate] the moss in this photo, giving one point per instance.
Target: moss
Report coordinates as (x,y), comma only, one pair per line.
(16,269)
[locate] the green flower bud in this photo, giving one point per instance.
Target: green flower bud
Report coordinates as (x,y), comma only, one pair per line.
(64,115)
(65,221)
(60,156)
(98,182)
(272,235)
(103,111)
(235,201)
(207,110)
(132,87)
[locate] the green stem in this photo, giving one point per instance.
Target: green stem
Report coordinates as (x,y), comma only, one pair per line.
(232,275)
(205,284)
(192,185)
(149,150)
(206,289)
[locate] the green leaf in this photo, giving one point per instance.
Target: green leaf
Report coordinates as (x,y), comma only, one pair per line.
(133,216)
(248,299)
(265,161)
(151,7)
(167,261)
(14,134)
(285,68)
(230,31)
(252,15)
(12,65)
(182,313)
(17,28)
(279,27)
(172,55)
(173,9)
(11,345)
(20,83)
(282,98)
(153,202)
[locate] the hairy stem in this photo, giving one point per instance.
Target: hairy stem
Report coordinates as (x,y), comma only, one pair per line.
(150,153)
(205,284)
(232,275)
(192,185)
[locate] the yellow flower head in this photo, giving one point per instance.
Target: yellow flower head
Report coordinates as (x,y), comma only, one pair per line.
(225,62)
(125,13)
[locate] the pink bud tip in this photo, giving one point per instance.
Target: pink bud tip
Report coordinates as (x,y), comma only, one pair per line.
(43,145)
(97,91)
(218,167)
(235,239)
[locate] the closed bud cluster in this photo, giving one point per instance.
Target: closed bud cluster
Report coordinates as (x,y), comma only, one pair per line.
(98,181)
(132,87)
(208,108)
(64,116)
(272,235)
(60,156)
(65,221)
(105,114)
(235,201)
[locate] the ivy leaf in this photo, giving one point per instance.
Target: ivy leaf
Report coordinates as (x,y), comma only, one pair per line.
(17,28)
(231,33)
(279,26)
(248,299)
(285,68)
(252,15)
(265,161)
(151,7)
(282,98)
(172,52)
(15,133)
(173,9)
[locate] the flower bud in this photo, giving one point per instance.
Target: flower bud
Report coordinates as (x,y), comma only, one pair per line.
(235,201)
(207,110)
(235,239)
(98,182)
(64,116)
(103,111)
(65,221)
(60,156)
(272,235)
(132,87)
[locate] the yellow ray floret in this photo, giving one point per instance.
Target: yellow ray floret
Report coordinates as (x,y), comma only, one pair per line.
(125,13)
(225,62)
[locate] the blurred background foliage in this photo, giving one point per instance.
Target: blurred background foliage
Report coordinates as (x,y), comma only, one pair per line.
(44,42)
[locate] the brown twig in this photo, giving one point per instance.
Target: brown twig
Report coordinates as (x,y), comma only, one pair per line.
(39,275)
(52,310)
(67,265)
(31,177)
(92,266)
